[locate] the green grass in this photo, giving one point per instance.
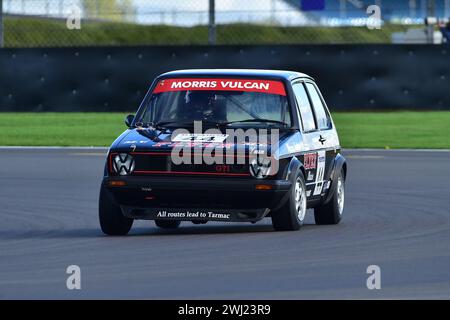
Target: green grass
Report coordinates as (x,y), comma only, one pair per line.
(38,32)
(428,130)
(60,129)
(356,129)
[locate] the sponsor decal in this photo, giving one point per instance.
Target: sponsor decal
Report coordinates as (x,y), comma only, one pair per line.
(135,141)
(320,173)
(163,144)
(310,176)
(247,85)
(193,214)
(310,161)
(199,137)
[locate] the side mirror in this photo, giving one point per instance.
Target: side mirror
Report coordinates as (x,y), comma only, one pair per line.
(129,120)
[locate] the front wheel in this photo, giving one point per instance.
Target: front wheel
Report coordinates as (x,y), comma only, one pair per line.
(112,220)
(331,212)
(292,214)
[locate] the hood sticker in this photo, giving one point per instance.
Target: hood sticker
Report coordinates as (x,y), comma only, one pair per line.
(202,137)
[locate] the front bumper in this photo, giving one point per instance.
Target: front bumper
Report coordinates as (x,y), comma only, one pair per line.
(187,198)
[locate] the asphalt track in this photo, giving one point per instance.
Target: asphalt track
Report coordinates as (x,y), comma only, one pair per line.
(397,217)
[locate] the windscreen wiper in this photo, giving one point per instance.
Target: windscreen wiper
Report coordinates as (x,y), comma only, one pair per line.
(189,123)
(154,125)
(256,120)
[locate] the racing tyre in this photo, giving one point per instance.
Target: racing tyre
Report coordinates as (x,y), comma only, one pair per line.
(168,224)
(292,214)
(112,220)
(331,212)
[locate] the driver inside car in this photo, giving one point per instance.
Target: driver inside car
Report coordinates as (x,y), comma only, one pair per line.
(202,106)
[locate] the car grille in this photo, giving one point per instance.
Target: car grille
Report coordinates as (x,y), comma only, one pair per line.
(160,163)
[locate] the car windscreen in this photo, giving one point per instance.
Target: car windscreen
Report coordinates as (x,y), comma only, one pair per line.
(218,101)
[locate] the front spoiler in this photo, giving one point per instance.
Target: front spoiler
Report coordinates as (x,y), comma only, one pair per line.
(195,214)
(188,183)
(142,194)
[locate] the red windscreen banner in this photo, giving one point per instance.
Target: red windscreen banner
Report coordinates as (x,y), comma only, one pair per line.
(221,84)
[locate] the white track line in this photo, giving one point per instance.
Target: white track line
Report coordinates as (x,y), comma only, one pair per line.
(106,148)
(50,148)
(395,150)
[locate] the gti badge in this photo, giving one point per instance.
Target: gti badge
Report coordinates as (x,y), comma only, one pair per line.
(123,164)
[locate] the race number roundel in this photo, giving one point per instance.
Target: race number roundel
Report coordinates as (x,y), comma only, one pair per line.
(222,84)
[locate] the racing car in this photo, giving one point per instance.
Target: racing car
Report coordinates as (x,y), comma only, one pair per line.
(230,145)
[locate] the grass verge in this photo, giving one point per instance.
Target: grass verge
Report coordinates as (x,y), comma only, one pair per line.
(356,129)
(41,32)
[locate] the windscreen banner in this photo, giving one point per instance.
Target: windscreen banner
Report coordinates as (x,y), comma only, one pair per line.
(221,84)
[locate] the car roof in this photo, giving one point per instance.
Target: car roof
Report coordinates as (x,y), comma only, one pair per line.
(281,74)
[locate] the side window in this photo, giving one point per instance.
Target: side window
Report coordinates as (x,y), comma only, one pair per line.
(304,106)
(322,116)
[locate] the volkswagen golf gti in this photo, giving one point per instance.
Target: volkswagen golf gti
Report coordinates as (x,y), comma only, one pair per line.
(229,145)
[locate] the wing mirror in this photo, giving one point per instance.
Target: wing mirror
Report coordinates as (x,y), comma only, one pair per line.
(129,120)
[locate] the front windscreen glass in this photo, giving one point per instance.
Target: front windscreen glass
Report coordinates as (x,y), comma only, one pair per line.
(226,101)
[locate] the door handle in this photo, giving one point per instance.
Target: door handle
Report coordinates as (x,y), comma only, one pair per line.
(322,139)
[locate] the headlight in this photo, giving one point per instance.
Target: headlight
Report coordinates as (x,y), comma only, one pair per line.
(123,164)
(260,166)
